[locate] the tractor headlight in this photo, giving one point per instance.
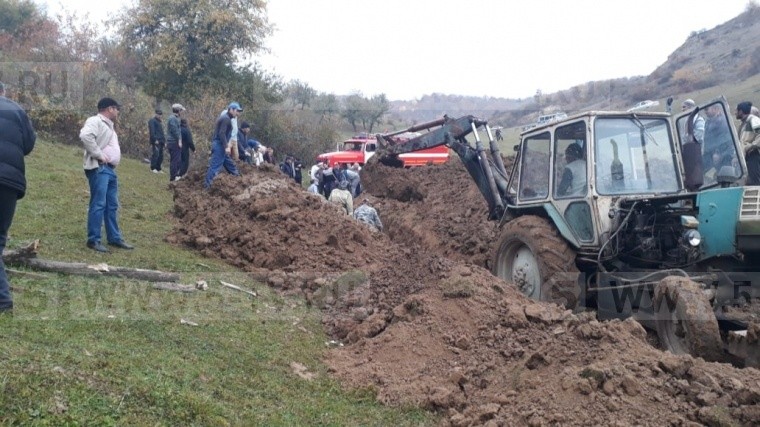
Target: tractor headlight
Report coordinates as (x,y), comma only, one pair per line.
(692,237)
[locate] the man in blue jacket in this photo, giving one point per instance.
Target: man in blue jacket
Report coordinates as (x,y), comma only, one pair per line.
(17,139)
(221,147)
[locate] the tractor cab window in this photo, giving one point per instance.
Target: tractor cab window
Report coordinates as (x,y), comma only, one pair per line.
(534,167)
(570,161)
(370,147)
(634,156)
(710,129)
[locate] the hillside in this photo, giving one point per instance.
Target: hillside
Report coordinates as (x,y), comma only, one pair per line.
(728,54)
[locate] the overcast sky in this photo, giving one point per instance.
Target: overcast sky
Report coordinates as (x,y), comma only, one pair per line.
(410,48)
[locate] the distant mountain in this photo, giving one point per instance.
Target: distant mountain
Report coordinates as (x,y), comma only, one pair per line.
(431,107)
(726,54)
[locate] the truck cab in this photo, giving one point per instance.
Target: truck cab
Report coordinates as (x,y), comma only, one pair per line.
(360,148)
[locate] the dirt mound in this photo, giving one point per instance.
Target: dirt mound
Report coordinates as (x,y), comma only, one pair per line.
(439,208)
(426,324)
(263,220)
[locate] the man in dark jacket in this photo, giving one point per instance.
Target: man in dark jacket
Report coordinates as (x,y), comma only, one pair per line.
(187,146)
(174,142)
(17,139)
(287,167)
(157,142)
(220,147)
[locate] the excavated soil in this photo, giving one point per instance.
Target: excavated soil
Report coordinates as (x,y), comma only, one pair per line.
(424,323)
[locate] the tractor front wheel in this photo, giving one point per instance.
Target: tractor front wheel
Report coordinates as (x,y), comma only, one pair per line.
(532,255)
(684,319)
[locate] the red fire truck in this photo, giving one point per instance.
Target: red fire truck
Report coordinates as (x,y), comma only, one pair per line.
(360,148)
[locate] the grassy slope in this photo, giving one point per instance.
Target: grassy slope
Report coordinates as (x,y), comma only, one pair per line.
(112,351)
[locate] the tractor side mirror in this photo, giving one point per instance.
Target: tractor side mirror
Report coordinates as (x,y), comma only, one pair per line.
(516,148)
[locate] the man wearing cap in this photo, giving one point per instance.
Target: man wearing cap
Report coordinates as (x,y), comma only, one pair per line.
(157,141)
(342,197)
(17,139)
(220,148)
(368,215)
(174,142)
(101,157)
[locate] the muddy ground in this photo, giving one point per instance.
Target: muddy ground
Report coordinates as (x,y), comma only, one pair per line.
(425,323)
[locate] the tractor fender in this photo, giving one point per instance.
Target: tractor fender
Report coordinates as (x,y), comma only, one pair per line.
(561,224)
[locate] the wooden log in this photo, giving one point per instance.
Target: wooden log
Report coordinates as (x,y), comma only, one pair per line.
(238,288)
(14,256)
(175,287)
(82,269)
(27,256)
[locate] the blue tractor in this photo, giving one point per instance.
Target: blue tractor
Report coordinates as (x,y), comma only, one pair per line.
(636,213)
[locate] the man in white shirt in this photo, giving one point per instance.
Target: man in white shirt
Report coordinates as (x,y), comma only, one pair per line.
(101,157)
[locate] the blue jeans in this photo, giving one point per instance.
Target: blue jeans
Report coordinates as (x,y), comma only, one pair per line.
(104,202)
(7,209)
(217,160)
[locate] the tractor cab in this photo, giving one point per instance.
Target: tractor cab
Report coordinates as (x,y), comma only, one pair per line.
(574,171)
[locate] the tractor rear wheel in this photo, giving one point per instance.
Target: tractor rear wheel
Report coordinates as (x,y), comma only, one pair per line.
(684,319)
(532,255)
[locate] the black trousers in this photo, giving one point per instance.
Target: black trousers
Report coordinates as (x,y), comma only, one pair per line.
(7,210)
(175,162)
(753,168)
(157,157)
(184,160)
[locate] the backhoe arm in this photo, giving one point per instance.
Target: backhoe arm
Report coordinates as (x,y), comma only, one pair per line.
(449,130)
(489,175)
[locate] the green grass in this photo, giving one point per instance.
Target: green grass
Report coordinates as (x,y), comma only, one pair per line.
(106,351)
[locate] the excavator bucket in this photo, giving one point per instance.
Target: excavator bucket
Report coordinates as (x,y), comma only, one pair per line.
(384,155)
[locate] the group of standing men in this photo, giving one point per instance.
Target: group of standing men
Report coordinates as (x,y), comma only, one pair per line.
(229,142)
(324,179)
(178,139)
